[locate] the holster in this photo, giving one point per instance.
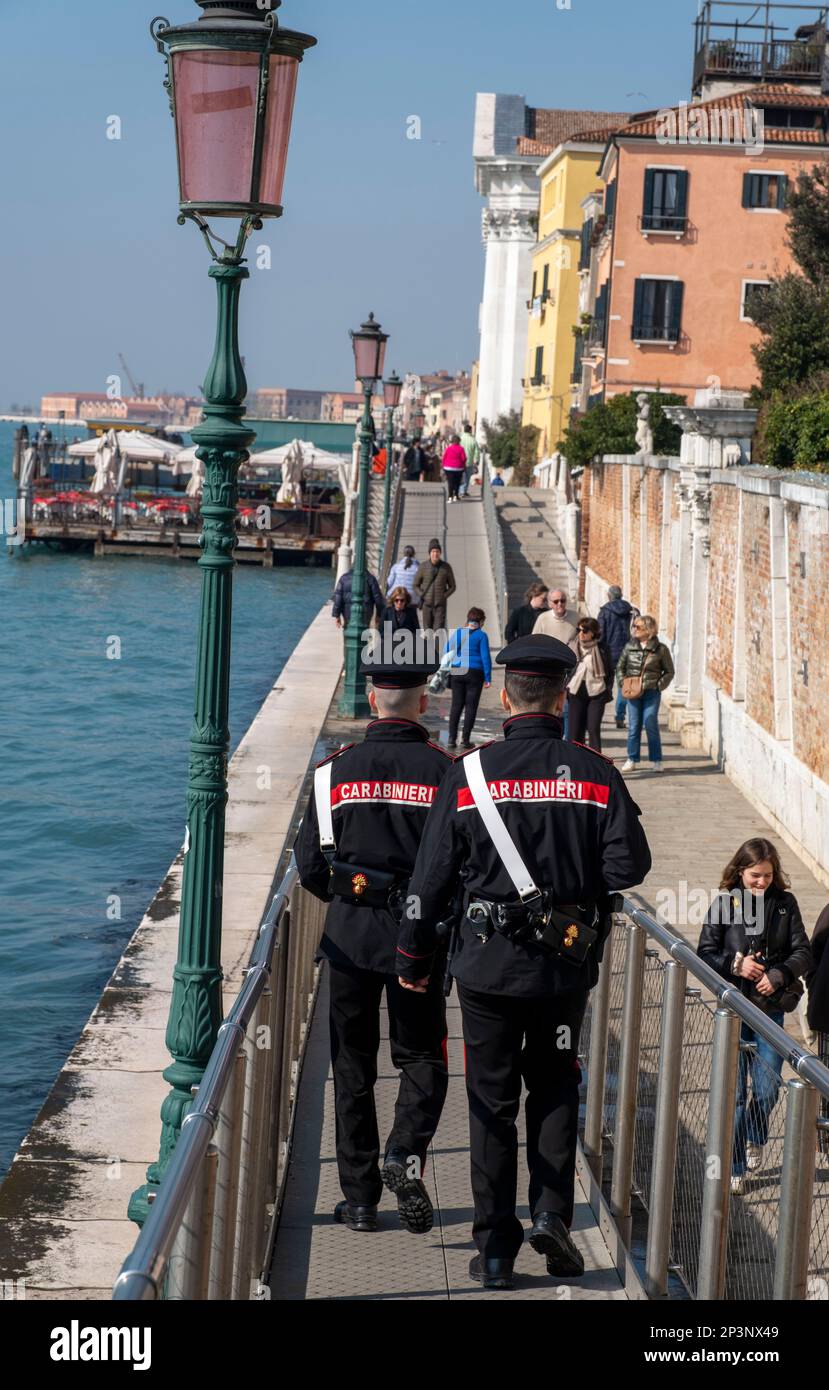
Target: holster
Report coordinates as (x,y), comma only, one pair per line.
(562,930)
(363,887)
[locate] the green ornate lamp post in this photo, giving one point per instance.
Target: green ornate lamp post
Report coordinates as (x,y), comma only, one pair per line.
(231,80)
(369,354)
(392,389)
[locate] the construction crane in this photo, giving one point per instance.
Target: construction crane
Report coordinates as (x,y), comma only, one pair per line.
(138,389)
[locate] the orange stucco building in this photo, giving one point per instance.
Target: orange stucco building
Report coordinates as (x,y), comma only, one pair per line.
(693,221)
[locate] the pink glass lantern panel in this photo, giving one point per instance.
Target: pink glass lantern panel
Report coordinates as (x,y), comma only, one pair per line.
(391,393)
(216,104)
(281,93)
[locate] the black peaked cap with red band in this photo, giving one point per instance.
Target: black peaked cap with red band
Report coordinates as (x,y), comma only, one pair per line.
(397,675)
(538,655)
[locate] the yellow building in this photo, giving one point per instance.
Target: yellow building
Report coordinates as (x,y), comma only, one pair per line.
(567,177)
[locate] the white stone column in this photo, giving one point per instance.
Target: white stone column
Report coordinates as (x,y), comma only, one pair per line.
(509,233)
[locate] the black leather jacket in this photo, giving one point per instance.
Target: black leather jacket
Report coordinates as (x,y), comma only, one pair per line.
(783,942)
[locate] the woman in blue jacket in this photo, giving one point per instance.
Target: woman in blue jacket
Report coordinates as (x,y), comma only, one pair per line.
(471,670)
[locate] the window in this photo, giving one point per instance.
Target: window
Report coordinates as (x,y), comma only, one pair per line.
(666,200)
(765,192)
(657,311)
(537,377)
(792,118)
(545,283)
(750,289)
(578,354)
(610,202)
(598,332)
(535,283)
(586,235)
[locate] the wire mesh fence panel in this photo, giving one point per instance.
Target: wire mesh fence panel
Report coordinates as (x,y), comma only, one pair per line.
(695,1081)
(754,1214)
(819,1240)
(649,1048)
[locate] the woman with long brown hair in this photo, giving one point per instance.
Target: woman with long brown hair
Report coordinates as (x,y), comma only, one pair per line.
(753,935)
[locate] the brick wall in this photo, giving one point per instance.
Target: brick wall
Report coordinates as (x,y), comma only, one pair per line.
(654,541)
(756,563)
(669,625)
(637,487)
(605,544)
(808,607)
(722,587)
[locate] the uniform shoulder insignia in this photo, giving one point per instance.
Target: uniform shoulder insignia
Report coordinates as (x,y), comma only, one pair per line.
(336,754)
(438,749)
(576,744)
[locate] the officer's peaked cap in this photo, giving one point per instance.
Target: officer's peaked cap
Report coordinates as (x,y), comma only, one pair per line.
(538,655)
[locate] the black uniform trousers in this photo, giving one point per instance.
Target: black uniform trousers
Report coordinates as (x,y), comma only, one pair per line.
(417,1036)
(509,1038)
(466,697)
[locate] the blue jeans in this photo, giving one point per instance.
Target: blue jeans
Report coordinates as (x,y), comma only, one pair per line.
(645,711)
(621,702)
(764,1068)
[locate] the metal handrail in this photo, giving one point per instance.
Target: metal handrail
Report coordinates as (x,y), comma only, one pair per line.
(665,1069)
(280,975)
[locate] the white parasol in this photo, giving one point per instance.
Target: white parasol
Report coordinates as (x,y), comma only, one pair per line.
(195,487)
(107,464)
(292,467)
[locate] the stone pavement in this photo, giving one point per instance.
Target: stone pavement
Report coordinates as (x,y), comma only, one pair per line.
(316,1259)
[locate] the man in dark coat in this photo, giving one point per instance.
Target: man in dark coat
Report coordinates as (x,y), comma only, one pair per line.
(373,605)
(615,619)
(576,830)
(355,850)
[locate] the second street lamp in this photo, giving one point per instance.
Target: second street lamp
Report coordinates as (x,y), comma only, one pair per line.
(369,344)
(391,397)
(231,79)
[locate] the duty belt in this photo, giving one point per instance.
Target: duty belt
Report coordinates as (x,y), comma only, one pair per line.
(563,930)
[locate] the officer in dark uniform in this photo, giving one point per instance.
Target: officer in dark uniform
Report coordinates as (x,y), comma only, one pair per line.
(542,833)
(356,849)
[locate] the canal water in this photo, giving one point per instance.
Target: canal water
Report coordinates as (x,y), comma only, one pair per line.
(94,768)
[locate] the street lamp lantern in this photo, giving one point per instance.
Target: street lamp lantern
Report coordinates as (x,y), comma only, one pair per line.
(231,78)
(392,391)
(369,344)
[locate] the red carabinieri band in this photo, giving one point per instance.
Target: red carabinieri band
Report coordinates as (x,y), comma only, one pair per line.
(382,794)
(538,789)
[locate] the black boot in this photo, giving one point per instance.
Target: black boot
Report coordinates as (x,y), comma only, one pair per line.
(550,1237)
(413,1201)
(493,1274)
(356,1218)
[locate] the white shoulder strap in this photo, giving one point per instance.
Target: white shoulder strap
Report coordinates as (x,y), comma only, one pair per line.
(322,796)
(501,838)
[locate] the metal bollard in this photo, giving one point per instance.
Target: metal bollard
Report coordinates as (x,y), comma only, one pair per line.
(666,1120)
(188,1271)
(713,1245)
(597,1064)
(627,1081)
(228,1143)
(797,1180)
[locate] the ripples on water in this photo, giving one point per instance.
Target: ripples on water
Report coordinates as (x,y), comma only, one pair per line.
(94,768)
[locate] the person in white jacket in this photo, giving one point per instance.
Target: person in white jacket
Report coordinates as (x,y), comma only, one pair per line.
(402,575)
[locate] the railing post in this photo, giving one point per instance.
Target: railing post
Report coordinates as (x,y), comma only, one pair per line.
(719,1145)
(660,1208)
(250,1166)
(797,1182)
(623,1137)
(228,1143)
(597,1063)
(189,1267)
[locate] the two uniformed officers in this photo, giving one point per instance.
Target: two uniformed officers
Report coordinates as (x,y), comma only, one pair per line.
(542,833)
(356,849)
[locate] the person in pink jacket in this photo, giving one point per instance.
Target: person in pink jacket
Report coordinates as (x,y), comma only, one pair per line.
(454,466)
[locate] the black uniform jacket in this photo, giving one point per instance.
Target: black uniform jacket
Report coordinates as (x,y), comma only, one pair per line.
(381,792)
(784,943)
(577,829)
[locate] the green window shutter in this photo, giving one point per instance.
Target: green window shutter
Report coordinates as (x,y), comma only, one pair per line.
(747,190)
(545,284)
(675,311)
(782,190)
(682,193)
(539,363)
(535,282)
(650,178)
(638,307)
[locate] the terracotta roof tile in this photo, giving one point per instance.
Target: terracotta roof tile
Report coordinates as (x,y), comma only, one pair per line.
(549,128)
(778,94)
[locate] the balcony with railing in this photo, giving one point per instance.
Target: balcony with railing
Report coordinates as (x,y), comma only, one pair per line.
(780,61)
(670,223)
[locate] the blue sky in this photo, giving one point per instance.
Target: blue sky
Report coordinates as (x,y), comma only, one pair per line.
(95,264)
